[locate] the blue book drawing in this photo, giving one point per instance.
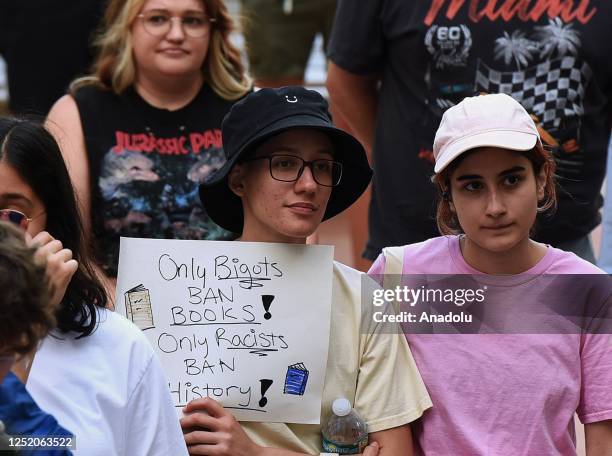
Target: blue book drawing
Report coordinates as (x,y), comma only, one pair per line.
(296,379)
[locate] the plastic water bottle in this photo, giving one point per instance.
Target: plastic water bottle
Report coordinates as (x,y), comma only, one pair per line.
(345,432)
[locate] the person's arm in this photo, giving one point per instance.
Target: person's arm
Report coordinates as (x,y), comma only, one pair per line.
(605,253)
(356,98)
(356,61)
(394,441)
(598,437)
(595,406)
(64,123)
(211,430)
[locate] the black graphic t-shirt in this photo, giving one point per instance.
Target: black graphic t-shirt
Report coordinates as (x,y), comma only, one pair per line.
(551,55)
(146,165)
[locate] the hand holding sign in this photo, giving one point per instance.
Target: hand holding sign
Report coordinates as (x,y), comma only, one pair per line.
(210,429)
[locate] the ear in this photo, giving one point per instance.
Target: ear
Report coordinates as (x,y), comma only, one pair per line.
(541,182)
(452,207)
(235,179)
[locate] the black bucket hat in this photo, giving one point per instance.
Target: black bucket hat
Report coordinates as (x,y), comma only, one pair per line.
(264,114)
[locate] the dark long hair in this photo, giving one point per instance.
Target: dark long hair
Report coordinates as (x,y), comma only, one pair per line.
(31,150)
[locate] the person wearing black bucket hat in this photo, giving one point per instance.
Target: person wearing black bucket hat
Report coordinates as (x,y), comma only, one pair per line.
(288,168)
(270,112)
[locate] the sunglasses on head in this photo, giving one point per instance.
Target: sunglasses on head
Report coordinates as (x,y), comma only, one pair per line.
(15,217)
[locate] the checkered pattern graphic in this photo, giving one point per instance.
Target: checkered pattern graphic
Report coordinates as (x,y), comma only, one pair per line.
(552,90)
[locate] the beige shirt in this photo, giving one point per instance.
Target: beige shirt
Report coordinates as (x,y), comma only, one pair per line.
(376,372)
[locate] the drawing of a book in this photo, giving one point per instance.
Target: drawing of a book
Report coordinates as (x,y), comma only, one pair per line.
(138,307)
(296,379)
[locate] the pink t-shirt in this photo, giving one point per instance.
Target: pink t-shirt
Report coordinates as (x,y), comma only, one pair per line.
(510,394)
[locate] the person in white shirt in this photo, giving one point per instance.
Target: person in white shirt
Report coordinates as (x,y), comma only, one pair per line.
(96,373)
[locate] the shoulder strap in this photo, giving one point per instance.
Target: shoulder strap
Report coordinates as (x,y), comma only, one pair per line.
(394,264)
(394,260)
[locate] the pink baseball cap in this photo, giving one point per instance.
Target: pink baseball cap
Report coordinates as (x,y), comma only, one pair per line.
(495,120)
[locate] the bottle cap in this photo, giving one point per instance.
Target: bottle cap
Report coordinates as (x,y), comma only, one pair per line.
(341,407)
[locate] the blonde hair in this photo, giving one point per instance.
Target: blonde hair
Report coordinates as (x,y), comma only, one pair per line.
(114,68)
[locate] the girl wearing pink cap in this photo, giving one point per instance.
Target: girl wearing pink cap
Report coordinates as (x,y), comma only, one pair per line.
(513,392)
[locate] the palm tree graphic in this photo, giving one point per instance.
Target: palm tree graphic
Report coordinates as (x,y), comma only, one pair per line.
(516,46)
(557,36)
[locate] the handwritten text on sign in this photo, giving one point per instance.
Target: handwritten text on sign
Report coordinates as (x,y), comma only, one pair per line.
(246,324)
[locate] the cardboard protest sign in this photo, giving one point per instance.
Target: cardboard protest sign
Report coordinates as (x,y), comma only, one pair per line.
(246,324)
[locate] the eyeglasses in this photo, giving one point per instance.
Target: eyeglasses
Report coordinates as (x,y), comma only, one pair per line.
(15,217)
(289,168)
(158,23)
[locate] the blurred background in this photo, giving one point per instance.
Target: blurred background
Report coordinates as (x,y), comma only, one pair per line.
(347,231)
